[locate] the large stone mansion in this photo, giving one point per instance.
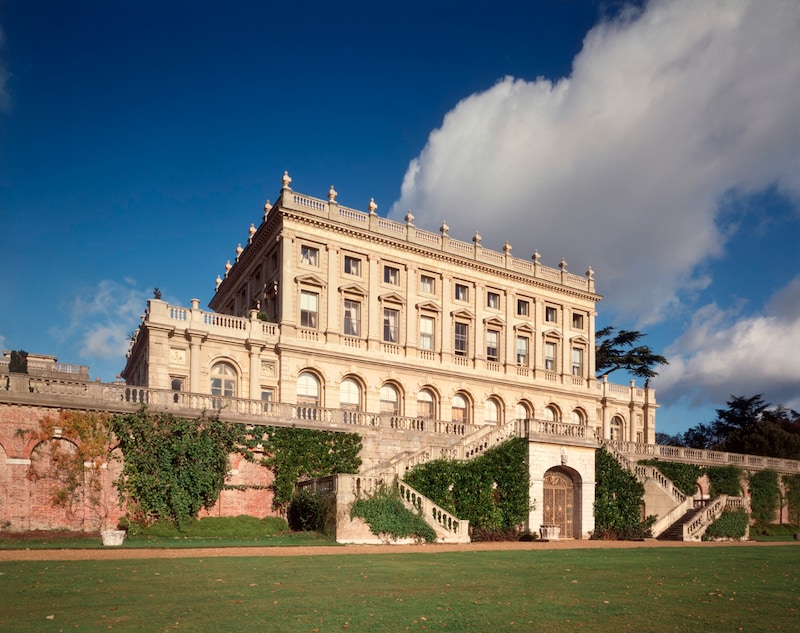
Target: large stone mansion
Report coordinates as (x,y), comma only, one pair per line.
(339,317)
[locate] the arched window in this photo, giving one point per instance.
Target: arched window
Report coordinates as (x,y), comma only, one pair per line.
(460,409)
(390,400)
(491,412)
(523,411)
(350,395)
(616,429)
(550,414)
(426,404)
(578,417)
(308,389)
(223,383)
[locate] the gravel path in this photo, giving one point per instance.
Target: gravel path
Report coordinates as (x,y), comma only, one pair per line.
(323,550)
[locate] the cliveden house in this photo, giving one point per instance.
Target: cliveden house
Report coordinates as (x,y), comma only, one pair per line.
(334,318)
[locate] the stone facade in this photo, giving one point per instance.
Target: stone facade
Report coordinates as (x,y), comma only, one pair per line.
(329,314)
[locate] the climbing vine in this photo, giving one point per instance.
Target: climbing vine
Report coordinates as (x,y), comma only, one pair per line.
(173,466)
(725,480)
(385,514)
(683,476)
(618,501)
(765,495)
(490,491)
(792,484)
(293,453)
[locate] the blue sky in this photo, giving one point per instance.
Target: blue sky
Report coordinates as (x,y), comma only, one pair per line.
(658,143)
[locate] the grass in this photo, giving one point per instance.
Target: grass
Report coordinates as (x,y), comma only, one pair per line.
(654,590)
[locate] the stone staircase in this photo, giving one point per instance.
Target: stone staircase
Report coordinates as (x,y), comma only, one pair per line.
(675,531)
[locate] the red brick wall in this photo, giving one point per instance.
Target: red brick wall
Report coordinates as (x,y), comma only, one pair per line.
(25,503)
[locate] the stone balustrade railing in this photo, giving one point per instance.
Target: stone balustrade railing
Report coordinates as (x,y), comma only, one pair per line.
(331,210)
(651,472)
(694,530)
(434,514)
(635,451)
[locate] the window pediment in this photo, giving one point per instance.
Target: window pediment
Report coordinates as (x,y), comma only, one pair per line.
(430,306)
(579,339)
(311,280)
(392,297)
(353,289)
(525,328)
(494,321)
(552,333)
(462,314)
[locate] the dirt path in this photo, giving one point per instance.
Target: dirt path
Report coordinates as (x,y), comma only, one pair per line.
(323,550)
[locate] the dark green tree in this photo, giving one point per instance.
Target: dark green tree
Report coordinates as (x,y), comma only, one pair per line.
(18,363)
(618,349)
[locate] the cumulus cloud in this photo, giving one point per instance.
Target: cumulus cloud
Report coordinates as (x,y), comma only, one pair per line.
(723,354)
(624,164)
(101,318)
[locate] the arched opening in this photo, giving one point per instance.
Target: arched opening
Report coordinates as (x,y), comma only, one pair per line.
(223,384)
(492,412)
(426,404)
(308,396)
(560,501)
(551,414)
(390,400)
(460,409)
(523,410)
(350,400)
(578,417)
(615,429)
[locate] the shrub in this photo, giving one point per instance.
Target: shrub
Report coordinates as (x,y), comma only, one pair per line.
(792,483)
(618,501)
(683,476)
(725,480)
(385,513)
(765,496)
(731,524)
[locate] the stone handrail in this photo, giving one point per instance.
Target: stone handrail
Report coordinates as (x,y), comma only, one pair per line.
(333,211)
(651,472)
(636,451)
(433,514)
(666,520)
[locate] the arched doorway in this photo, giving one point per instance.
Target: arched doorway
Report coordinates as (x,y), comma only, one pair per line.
(559,501)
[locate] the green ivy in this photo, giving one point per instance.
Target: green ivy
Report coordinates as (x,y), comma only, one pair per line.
(765,495)
(618,501)
(792,484)
(385,513)
(683,476)
(293,454)
(725,480)
(731,524)
(173,467)
(490,491)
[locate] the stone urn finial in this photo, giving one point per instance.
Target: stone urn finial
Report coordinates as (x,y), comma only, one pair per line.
(477,238)
(590,273)
(286,180)
(563,264)
(536,256)
(219,281)
(444,228)
(372,206)
(252,231)
(228,267)
(507,248)
(239,250)
(267,208)
(409,217)
(332,194)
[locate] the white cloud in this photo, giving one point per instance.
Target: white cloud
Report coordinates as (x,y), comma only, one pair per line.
(724,354)
(101,318)
(623,165)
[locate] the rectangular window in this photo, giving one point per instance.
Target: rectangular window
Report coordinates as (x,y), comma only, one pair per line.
(352,317)
(308,309)
(492,345)
(462,292)
(577,361)
(391,275)
(523,307)
(493,300)
(352,266)
(267,399)
(577,321)
(427,284)
(460,342)
(550,356)
(522,351)
(551,315)
(390,320)
(309,255)
(426,333)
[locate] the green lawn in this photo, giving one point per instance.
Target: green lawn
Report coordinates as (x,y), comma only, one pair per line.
(647,590)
